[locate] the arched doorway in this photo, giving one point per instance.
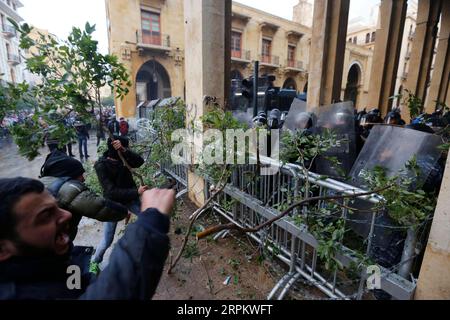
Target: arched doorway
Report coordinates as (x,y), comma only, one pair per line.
(305,88)
(353,82)
(290,84)
(236,75)
(152,82)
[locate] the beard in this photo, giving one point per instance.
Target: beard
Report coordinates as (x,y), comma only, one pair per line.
(25,249)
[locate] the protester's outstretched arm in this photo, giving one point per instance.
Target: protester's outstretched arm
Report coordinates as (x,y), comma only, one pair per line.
(78,199)
(137,261)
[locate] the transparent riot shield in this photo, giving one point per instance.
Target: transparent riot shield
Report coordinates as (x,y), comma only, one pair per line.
(241,108)
(339,119)
(392,147)
(297,117)
(168,101)
(146,108)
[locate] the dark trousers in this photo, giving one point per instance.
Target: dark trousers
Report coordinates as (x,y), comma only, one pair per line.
(82,145)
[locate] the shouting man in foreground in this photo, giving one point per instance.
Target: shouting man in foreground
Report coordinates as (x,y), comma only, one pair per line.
(36,252)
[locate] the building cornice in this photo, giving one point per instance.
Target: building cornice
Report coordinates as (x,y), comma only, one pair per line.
(271,16)
(10,12)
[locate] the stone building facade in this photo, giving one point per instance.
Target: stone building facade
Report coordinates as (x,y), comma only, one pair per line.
(362,33)
(12,66)
(148,37)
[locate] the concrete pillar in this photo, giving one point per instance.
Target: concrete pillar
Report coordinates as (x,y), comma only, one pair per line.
(434,277)
(441,73)
(327,52)
(388,45)
(207,61)
(447,101)
(423,49)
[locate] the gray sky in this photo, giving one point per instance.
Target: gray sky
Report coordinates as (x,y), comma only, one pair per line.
(283,8)
(58,16)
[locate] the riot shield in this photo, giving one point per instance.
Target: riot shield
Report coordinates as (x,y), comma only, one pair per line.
(168,101)
(241,108)
(146,108)
(297,117)
(392,147)
(339,119)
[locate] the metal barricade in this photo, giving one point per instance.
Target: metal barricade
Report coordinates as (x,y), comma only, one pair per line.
(249,201)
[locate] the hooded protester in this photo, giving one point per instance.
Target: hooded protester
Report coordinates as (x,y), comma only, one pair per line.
(118,185)
(63,178)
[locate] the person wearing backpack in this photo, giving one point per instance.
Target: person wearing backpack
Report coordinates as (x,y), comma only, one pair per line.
(123,127)
(63,178)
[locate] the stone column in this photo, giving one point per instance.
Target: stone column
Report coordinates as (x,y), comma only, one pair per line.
(207,55)
(388,45)
(434,277)
(327,51)
(441,73)
(423,49)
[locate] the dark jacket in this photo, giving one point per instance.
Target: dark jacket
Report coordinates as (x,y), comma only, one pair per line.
(116,180)
(82,131)
(75,197)
(134,269)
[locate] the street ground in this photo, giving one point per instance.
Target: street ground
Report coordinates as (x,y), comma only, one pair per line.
(202,272)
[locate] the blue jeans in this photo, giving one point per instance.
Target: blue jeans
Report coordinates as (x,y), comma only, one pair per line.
(82,143)
(109,231)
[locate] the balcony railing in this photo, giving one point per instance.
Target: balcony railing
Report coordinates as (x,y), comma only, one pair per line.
(9,31)
(270,60)
(13,58)
(153,39)
(242,55)
(294,64)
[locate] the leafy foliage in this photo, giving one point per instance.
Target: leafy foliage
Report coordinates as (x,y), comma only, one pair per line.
(414,103)
(91,179)
(218,119)
(158,143)
(303,148)
(406,203)
(72,72)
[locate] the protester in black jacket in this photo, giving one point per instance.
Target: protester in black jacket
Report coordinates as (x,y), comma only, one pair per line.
(63,176)
(38,260)
(118,185)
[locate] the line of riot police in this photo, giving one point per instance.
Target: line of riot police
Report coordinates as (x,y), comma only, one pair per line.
(369,141)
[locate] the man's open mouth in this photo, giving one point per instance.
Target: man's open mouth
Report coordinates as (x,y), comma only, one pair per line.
(62,238)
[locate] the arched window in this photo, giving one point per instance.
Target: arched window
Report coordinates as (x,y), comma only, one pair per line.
(373,36)
(236,75)
(368,38)
(290,84)
(355,40)
(353,82)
